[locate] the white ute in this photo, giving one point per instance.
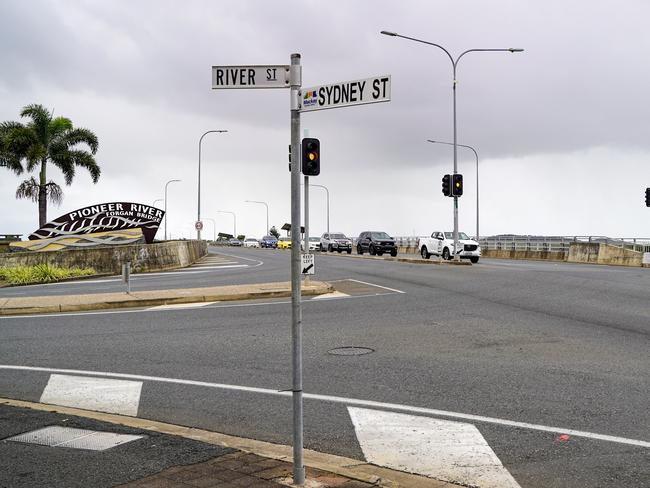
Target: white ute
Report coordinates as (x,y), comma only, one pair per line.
(442,244)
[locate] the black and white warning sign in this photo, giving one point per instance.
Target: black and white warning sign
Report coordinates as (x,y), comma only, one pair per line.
(344,94)
(267,76)
(307,264)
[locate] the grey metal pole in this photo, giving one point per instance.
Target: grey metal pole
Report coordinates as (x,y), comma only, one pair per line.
(306,220)
(477,179)
(234,216)
(198,213)
(214,228)
(267,212)
(456,254)
(328,204)
(454,63)
(170,181)
(296,310)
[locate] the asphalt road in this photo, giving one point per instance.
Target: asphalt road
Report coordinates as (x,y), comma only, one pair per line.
(555,345)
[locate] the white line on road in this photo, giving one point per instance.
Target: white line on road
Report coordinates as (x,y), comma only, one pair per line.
(344,401)
(443,449)
(374,284)
(99,394)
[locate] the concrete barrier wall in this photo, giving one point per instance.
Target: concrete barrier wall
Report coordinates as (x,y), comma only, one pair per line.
(534,255)
(143,257)
(579,252)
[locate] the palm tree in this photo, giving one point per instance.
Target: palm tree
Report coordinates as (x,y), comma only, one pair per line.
(46,139)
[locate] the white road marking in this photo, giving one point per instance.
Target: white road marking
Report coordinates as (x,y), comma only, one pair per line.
(346,401)
(443,449)
(374,284)
(100,394)
(334,294)
(173,306)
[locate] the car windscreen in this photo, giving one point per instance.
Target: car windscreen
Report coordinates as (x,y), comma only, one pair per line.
(380,235)
(338,236)
(461,235)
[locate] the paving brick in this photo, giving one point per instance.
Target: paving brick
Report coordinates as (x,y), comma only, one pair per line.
(279,472)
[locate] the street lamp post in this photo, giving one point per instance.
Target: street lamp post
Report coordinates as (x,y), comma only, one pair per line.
(267,212)
(475,154)
(214,228)
(454,64)
(234,221)
(166,184)
(198,216)
(158,200)
(328,204)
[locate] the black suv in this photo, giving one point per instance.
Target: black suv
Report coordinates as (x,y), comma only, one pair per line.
(376,243)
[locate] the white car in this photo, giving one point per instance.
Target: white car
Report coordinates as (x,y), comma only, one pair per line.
(314,243)
(442,244)
(335,241)
(250,242)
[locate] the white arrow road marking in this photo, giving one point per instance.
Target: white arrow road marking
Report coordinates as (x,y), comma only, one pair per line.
(449,451)
(100,394)
(173,306)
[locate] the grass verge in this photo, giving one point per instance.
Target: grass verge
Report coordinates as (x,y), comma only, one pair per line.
(41,273)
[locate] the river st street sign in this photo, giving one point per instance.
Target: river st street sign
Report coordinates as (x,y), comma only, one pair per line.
(345,94)
(258,76)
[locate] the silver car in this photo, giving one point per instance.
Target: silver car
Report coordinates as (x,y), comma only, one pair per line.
(335,241)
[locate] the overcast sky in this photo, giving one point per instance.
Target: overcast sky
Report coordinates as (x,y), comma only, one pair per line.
(562,129)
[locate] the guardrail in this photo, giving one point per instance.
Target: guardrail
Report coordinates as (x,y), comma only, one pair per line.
(544,243)
(560,243)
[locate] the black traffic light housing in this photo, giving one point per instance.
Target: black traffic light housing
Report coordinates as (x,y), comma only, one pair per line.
(310,156)
(647,197)
(456,185)
(446,185)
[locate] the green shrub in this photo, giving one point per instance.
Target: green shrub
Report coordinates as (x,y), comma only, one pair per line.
(41,273)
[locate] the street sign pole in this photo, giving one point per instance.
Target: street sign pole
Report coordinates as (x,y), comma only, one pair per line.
(295,82)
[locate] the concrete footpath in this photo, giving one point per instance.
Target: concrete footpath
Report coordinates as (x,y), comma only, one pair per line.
(151,298)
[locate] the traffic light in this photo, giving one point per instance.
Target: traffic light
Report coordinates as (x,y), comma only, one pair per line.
(310,156)
(446,185)
(647,197)
(456,185)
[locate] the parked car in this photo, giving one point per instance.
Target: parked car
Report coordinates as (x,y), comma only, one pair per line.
(335,241)
(442,244)
(284,243)
(250,242)
(234,242)
(314,243)
(376,243)
(269,242)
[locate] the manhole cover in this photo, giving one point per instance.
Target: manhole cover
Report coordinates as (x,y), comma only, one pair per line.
(350,351)
(55,436)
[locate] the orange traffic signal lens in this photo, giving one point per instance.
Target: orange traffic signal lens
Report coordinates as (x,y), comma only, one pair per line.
(312,156)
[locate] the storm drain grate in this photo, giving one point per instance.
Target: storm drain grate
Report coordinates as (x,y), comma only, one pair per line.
(350,351)
(92,440)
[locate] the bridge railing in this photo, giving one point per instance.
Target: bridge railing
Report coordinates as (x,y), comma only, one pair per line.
(560,243)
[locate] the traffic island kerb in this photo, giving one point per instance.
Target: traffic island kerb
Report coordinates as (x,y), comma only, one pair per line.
(152,298)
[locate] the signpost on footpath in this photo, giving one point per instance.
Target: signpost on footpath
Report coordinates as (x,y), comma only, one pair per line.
(357,92)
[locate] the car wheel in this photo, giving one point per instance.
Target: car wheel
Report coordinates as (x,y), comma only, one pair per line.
(329,248)
(349,251)
(474,260)
(359,249)
(425,253)
(445,254)
(321,248)
(371,250)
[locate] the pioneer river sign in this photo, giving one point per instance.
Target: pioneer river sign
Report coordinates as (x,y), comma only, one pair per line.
(345,94)
(104,217)
(259,76)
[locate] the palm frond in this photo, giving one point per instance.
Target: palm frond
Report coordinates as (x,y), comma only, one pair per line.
(28,189)
(82,136)
(59,126)
(41,118)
